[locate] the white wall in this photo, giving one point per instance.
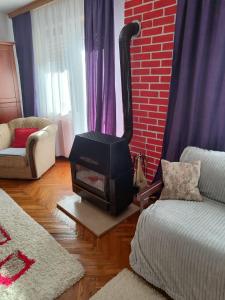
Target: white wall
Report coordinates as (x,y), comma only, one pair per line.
(118,25)
(6,30)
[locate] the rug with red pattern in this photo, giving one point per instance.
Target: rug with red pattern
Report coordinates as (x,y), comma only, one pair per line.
(32,264)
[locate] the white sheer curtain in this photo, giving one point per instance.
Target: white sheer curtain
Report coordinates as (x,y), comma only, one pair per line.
(59,63)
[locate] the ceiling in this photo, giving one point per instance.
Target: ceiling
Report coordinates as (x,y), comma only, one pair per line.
(7,6)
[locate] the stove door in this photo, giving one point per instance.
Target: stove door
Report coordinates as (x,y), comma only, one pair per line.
(91,180)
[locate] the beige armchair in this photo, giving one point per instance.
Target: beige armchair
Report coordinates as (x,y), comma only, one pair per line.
(38,156)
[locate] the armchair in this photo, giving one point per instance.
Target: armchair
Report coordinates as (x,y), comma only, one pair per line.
(38,156)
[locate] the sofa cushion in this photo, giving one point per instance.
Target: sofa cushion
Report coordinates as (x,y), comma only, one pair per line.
(180,180)
(212,178)
(13,151)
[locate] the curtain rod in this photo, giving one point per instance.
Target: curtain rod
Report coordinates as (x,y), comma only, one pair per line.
(28,7)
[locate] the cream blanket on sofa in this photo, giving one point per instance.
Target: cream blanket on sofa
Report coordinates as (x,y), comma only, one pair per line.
(179,246)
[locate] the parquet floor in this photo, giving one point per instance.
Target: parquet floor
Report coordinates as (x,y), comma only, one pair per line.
(101,257)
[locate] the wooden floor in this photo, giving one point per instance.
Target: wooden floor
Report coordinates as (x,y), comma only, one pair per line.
(101,257)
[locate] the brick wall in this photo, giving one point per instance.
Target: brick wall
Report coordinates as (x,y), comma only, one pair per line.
(151,60)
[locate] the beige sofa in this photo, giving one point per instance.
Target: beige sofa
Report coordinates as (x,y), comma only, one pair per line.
(38,156)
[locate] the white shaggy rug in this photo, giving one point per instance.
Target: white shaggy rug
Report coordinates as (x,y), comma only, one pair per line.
(33,266)
(127,286)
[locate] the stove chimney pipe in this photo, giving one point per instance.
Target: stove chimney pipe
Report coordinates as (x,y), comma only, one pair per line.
(128,31)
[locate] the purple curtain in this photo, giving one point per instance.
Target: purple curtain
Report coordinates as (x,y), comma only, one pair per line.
(24,48)
(196,114)
(100,69)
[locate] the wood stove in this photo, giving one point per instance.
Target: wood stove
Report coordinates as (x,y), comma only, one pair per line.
(102,170)
(101,165)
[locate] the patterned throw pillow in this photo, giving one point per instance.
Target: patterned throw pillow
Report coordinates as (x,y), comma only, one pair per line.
(181,180)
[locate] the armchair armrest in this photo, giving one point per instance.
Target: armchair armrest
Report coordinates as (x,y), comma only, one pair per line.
(40,135)
(5,136)
(40,149)
(150,190)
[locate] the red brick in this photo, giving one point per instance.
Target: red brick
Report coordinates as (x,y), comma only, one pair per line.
(140,126)
(142,8)
(160,136)
(156,115)
(149,134)
(148,107)
(134,150)
(140,71)
(157,161)
(163,108)
(159,149)
(140,113)
(136,79)
(162,71)
(132,18)
(165,78)
(139,138)
(150,78)
(135,49)
(140,100)
(155,142)
(151,48)
(171,10)
(135,119)
(153,14)
(164,21)
(132,3)
(150,176)
(151,147)
(162,55)
(156,128)
(142,41)
(146,24)
(152,31)
(162,122)
(159,86)
(154,154)
(151,63)
(163,38)
(151,166)
(135,106)
(149,93)
(167,46)
(143,56)
(169,28)
(136,93)
(128,12)
(163,3)
(166,63)
(148,121)
(158,101)
(135,64)
(137,132)
(140,86)
(164,94)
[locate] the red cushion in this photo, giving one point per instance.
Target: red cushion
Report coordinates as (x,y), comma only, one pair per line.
(21,135)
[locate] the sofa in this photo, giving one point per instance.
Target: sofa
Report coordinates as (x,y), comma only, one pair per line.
(179,246)
(38,156)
